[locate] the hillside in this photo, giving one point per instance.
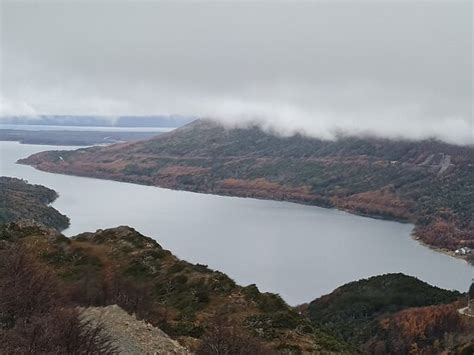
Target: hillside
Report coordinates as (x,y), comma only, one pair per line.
(36,316)
(129,335)
(205,310)
(23,201)
(395,313)
(428,183)
(190,303)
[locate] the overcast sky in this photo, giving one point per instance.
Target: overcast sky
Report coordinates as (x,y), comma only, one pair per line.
(400,68)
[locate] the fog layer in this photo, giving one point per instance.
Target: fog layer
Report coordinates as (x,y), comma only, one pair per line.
(395,69)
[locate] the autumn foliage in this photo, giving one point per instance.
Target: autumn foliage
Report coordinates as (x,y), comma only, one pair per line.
(424,330)
(413,181)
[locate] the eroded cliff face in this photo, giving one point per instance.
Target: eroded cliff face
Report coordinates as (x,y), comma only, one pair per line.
(428,183)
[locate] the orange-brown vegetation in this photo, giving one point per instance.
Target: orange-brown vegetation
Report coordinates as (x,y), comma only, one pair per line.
(120,266)
(425,330)
(395,314)
(383,202)
(445,231)
(262,188)
(416,182)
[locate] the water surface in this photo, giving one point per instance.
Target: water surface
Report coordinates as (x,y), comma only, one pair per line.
(28,127)
(300,252)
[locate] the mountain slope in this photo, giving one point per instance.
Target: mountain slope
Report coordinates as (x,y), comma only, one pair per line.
(395,313)
(129,335)
(23,201)
(188,302)
(429,183)
(205,310)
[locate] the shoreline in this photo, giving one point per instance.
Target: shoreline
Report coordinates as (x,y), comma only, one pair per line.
(442,250)
(225,193)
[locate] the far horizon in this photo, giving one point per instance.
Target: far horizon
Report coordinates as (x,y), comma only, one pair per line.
(390,69)
(165,123)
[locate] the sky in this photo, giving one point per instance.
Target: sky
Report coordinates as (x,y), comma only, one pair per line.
(396,69)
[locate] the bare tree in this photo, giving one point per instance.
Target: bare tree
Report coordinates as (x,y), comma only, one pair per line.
(35,317)
(224,338)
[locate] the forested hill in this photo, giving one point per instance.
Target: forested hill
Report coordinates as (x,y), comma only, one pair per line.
(396,314)
(428,182)
(23,201)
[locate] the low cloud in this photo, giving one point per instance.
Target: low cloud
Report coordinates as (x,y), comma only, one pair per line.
(392,69)
(16,108)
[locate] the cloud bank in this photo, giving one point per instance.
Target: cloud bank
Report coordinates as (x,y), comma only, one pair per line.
(394,69)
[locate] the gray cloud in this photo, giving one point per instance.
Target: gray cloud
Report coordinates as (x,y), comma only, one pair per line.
(396,69)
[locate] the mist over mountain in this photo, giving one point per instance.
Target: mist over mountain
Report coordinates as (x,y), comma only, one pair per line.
(429,183)
(391,69)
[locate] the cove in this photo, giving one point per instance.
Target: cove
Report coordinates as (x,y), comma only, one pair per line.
(300,252)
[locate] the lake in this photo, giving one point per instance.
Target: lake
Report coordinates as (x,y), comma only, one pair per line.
(300,252)
(29,127)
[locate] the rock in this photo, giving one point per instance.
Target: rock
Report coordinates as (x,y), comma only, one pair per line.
(130,335)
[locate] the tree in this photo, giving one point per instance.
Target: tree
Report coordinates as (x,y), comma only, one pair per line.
(36,317)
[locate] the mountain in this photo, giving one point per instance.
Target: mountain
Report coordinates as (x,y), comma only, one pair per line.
(191,303)
(23,201)
(93,277)
(395,314)
(428,183)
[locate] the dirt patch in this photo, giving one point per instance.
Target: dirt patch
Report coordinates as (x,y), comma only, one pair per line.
(130,335)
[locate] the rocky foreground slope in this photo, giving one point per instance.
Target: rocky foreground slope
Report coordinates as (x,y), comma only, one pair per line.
(129,335)
(190,303)
(203,309)
(429,183)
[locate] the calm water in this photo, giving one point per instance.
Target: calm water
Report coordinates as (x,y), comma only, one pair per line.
(83,128)
(300,252)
